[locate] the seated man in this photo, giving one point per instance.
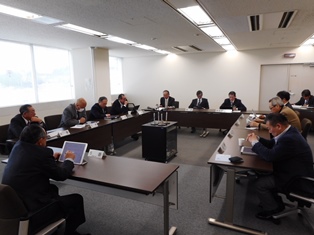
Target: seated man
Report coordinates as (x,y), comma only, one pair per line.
(233,103)
(120,106)
(28,172)
(167,101)
(291,157)
(26,116)
(276,106)
(99,110)
(200,103)
(74,114)
(285,97)
(307,99)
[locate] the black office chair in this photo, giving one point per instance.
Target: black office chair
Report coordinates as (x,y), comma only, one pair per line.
(301,191)
(53,121)
(176,104)
(306,125)
(15,219)
(3,138)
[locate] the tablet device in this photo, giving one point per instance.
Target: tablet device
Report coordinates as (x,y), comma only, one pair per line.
(77,148)
(247,150)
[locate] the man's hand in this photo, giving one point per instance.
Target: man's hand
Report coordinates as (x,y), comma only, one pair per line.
(56,155)
(252,137)
(36,119)
(254,124)
(125,103)
(69,154)
(82,120)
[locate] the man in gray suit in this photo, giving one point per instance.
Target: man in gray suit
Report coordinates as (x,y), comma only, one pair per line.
(74,114)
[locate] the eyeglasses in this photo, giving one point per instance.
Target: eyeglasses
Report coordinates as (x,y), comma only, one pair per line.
(272,107)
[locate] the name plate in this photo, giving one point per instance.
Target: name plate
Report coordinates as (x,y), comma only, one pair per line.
(93,125)
(96,153)
(123,117)
(230,134)
(140,112)
(222,148)
(242,116)
(188,109)
(64,133)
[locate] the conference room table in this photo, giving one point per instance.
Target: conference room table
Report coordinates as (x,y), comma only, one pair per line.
(130,175)
(106,132)
(230,147)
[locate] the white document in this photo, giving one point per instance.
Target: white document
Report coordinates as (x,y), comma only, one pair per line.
(222,157)
(79,126)
(251,128)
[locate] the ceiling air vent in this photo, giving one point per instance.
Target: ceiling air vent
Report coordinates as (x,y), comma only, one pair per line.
(286,19)
(190,48)
(254,22)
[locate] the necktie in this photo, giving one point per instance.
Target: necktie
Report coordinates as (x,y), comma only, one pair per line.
(231,104)
(199,102)
(305,101)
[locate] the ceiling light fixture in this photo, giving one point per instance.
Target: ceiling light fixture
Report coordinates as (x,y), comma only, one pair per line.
(118,40)
(17,12)
(80,29)
(199,17)
(309,41)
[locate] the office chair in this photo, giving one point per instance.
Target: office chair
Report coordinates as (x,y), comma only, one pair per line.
(176,104)
(53,121)
(306,125)
(15,219)
(3,138)
(304,196)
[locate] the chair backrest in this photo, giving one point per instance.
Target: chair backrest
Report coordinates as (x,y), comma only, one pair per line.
(306,125)
(87,114)
(53,121)
(3,138)
(176,104)
(11,210)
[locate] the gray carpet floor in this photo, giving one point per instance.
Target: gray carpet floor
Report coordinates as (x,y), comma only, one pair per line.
(113,215)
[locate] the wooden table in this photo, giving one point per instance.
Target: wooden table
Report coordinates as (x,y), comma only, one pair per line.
(130,175)
(230,146)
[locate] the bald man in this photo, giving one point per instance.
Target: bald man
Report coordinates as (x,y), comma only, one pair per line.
(74,114)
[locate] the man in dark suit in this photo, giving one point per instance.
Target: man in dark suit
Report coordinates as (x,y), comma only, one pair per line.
(285,97)
(74,114)
(291,157)
(307,99)
(28,172)
(99,110)
(200,103)
(233,103)
(26,116)
(120,106)
(167,101)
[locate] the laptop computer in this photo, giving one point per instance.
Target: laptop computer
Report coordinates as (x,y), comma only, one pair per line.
(135,108)
(77,148)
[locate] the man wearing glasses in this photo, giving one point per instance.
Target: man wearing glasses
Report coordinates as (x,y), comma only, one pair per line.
(277,106)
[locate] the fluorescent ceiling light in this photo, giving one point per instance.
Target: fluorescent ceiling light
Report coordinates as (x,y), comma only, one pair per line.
(162,52)
(212,31)
(119,40)
(228,47)
(17,12)
(308,42)
(222,40)
(145,47)
(81,30)
(195,14)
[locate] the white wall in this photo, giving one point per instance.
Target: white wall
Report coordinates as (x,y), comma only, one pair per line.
(214,73)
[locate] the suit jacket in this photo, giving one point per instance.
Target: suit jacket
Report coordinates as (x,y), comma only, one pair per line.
(237,103)
(289,105)
(116,108)
(291,115)
(203,105)
(70,116)
(17,124)
(310,101)
(97,112)
(28,172)
(291,156)
(171,101)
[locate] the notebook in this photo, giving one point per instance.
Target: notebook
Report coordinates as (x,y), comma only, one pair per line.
(247,150)
(77,148)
